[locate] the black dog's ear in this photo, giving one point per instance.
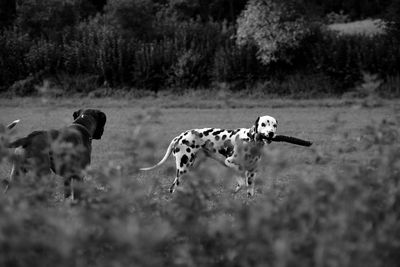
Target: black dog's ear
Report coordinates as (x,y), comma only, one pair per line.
(77,114)
(100,122)
(256,125)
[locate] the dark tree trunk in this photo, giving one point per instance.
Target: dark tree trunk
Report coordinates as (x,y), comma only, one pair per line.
(8,9)
(98,4)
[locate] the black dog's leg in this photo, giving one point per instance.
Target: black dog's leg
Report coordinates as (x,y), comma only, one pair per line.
(5,185)
(73,187)
(67,187)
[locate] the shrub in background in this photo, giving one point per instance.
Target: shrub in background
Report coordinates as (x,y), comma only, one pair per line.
(48,19)
(340,17)
(345,57)
(44,57)
(174,49)
(83,83)
(133,18)
(97,49)
(390,87)
(233,64)
(13,47)
(273,27)
(298,85)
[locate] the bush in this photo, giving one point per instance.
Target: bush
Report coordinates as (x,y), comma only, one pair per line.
(44,57)
(272,27)
(237,64)
(171,51)
(299,85)
(84,83)
(390,87)
(25,86)
(133,18)
(13,47)
(48,18)
(98,49)
(182,57)
(345,57)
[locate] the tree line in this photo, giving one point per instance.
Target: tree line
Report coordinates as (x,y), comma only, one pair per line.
(270,45)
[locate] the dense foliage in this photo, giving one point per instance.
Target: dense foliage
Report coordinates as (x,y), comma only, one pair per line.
(272,27)
(160,44)
(348,217)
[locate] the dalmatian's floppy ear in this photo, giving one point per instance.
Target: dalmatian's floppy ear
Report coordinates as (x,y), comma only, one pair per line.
(77,113)
(256,125)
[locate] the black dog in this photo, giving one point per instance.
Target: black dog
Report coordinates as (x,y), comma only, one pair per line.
(66,151)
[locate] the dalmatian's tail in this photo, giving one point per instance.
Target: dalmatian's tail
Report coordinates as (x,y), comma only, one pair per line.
(169,151)
(12,124)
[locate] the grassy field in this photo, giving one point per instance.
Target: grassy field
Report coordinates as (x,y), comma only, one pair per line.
(334,204)
(312,120)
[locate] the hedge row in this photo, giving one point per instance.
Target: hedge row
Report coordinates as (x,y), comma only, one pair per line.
(194,55)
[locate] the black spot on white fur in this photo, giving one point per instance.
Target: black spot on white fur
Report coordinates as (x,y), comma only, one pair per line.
(184,160)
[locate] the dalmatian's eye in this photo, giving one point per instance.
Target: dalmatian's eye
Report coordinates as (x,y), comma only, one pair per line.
(275,125)
(263,124)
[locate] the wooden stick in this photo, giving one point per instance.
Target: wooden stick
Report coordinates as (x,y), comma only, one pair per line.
(290,139)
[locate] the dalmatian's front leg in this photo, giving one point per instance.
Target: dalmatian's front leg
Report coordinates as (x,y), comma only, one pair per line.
(229,162)
(250,179)
(240,182)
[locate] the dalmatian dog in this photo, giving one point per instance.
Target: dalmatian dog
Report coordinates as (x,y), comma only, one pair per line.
(239,149)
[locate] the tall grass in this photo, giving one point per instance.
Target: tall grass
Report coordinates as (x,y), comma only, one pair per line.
(348,217)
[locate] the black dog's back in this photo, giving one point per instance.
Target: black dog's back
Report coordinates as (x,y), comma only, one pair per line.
(36,152)
(36,141)
(46,147)
(27,140)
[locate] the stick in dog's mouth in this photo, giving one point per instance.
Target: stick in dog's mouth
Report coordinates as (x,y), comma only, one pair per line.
(290,139)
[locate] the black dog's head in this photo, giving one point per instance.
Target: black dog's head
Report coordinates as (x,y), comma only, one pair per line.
(98,116)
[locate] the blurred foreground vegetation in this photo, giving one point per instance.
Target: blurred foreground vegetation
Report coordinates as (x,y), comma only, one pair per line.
(348,217)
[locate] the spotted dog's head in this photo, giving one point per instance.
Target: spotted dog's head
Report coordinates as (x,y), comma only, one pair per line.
(97,116)
(265,128)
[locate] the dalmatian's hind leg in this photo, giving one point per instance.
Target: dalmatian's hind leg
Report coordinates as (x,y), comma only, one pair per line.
(176,181)
(183,163)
